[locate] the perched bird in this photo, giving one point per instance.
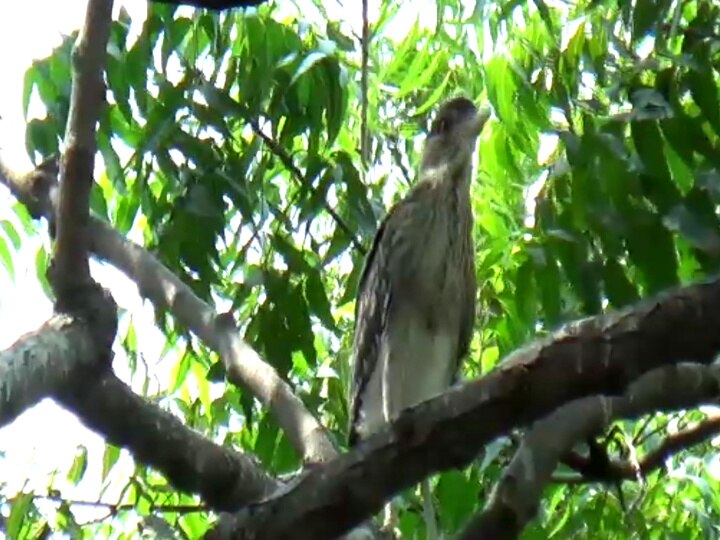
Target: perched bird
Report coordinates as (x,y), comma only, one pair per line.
(415,306)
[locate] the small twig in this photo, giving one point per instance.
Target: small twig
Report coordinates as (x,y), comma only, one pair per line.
(126,507)
(629,469)
(365,44)
(397,158)
(550,439)
(639,436)
(285,158)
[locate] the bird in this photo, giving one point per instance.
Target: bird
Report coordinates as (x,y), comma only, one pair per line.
(415,302)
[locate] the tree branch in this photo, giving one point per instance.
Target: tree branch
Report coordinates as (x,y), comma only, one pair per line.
(70,269)
(225,479)
(365,45)
(621,469)
(40,362)
(600,355)
(515,499)
(244,366)
(594,356)
(513,502)
(155,282)
(675,443)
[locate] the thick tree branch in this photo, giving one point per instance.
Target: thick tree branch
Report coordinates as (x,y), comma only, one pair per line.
(595,356)
(70,269)
(226,480)
(515,499)
(243,364)
(40,362)
(60,360)
(622,469)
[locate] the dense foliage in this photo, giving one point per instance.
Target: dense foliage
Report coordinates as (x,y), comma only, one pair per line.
(230,144)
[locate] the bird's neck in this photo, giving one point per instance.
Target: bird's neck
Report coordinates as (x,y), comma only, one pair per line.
(455,173)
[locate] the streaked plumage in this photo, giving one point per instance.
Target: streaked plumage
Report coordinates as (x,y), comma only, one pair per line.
(416,299)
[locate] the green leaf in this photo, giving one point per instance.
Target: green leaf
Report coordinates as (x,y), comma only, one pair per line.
(42,136)
(273,334)
(502,87)
(547,278)
(424,78)
(299,325)
(651,248)
(41,263)
(572,255)
(308,62)
(216,373)
(180,371)
(646,15)
(618,288)
(30,80)
(11,233)
(318,300)
(681,219)
(79,466)
(285,459)
(110,458)
(337,99)
(704,91)
(357,195)
(545,14)
(20,510)
(525,291)
(456,493)
(294,258)
(649,144)
(343,41)
(434,96)
(6,258)
(399,60)
(267,439)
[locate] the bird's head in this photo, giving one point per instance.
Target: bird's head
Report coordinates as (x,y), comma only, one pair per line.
(451,141)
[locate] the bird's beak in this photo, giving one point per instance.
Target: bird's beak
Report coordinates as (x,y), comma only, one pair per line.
(477,122)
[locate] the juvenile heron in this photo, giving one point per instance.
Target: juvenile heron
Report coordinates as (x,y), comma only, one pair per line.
(415,304)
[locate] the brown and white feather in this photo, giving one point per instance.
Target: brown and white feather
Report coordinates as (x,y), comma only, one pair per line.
(415,305)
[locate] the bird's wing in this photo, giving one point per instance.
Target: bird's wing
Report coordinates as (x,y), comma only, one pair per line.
(375,292)
(373,299)
(467,314)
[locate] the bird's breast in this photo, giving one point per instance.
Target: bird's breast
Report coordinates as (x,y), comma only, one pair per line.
(430,260)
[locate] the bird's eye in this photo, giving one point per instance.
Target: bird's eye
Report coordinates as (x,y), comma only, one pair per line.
(441,126)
